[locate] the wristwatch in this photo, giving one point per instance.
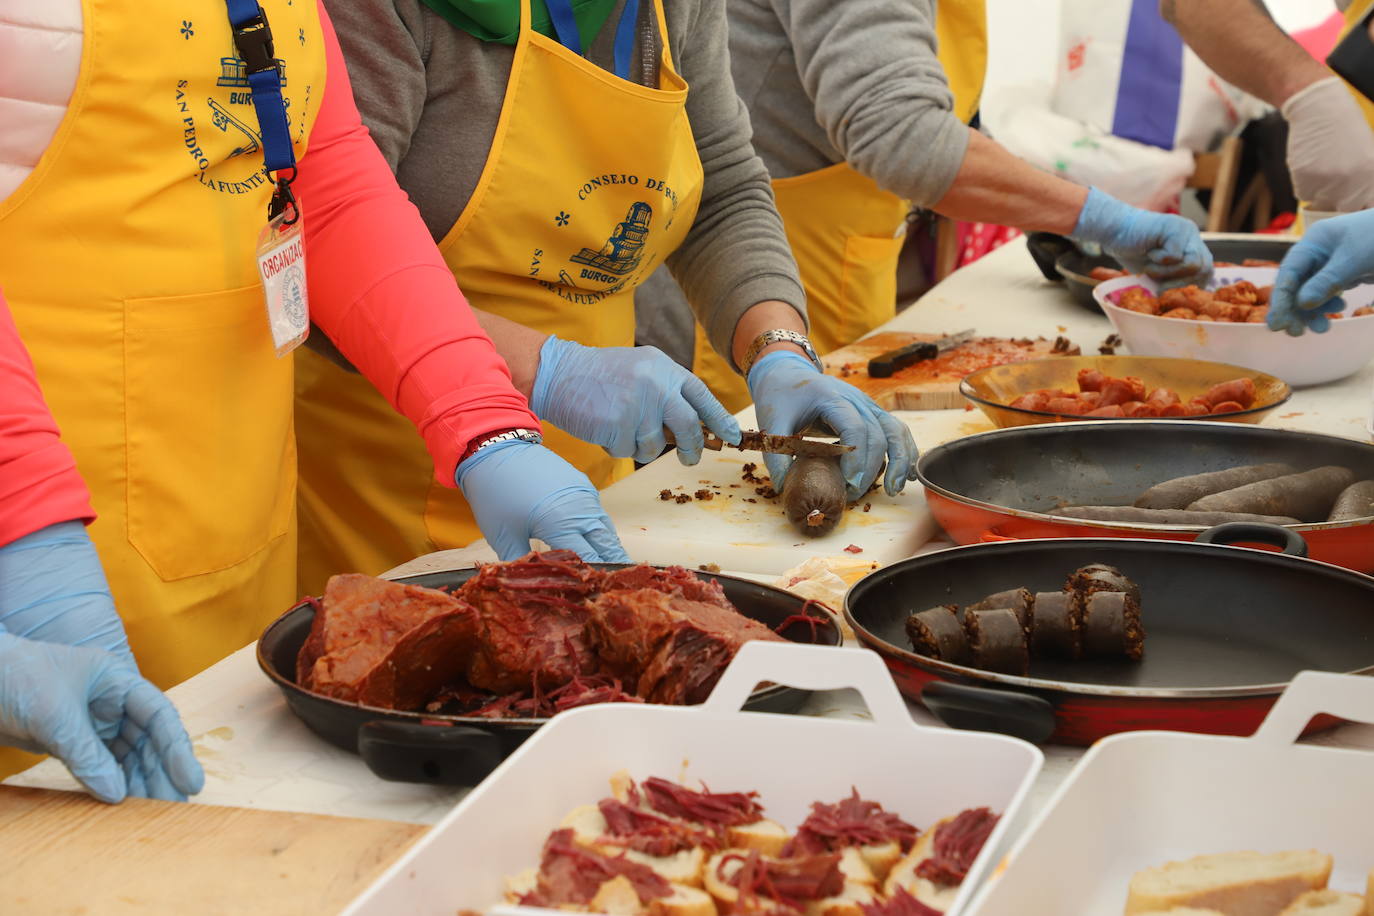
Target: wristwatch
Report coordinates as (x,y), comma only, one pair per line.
(778,335)
(532,436)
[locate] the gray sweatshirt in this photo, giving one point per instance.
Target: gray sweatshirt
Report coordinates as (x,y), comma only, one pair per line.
(431,95)
(829,81)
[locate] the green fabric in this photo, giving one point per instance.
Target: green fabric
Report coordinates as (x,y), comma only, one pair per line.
(499,20)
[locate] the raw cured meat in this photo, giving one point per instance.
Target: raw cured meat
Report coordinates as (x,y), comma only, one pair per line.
(670,579)
(666,647)
(385,644)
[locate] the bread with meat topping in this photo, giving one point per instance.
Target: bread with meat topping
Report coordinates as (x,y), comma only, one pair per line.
(1184,911)
(903,874)
(589,830)
(847,904)
(768,837)
(1235,883)
(684,901)
(1326,903)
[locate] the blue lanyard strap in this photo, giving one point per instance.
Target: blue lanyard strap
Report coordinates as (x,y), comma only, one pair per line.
(253,42)
(565,27)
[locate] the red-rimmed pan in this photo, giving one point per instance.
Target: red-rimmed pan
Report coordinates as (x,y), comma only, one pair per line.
(997,485)
(1227,629)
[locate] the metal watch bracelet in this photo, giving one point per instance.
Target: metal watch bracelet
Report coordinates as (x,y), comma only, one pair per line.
(779,335)
(532,436)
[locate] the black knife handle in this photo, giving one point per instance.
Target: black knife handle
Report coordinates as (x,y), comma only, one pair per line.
(894,360)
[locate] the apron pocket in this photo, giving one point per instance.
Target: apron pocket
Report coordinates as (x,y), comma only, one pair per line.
(868,287)
(208,415)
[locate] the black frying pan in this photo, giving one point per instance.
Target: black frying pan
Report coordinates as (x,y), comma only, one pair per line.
(462,750)
(1227,629)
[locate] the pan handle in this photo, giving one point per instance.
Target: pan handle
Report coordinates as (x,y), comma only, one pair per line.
(1346,696)
(1021,715)
(443,755)
(1290,541)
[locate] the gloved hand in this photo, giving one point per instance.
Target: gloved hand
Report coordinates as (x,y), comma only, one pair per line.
(1330,148)
(519,490)
(115,731)
(621,398)
(790,393)
(52,588)
(1165,247)
(1331,257)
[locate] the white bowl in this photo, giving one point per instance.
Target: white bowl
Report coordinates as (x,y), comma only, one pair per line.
(1307,360)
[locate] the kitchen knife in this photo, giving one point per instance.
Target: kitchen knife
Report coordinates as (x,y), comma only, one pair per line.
(884,365)
(751,440)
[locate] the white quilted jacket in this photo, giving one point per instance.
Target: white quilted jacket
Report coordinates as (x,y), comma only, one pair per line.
(40,57)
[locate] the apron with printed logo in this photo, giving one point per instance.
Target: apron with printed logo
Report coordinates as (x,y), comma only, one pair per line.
(128,261)
(590,183)
(846,232)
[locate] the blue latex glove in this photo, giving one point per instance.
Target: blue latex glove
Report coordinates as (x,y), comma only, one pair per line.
(790,394)
(115,731)
(1331,257)
(519,490)
(1163,246)
(621,398)
(52,588)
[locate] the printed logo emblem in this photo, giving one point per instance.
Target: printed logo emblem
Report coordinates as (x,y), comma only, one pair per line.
(623,250)
(293,295)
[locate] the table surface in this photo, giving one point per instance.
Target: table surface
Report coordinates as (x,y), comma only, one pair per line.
(256,754)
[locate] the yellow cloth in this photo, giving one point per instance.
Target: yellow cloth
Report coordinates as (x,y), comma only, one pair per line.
(590,183)
(127,257)
(846,232)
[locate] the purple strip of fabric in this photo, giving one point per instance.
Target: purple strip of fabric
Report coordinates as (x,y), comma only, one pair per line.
(1151,77)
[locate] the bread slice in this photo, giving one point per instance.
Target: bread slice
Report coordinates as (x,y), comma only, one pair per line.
(1235,883)
(518,885)
(1184,911)
(845,904)
(855,868)
(768,837)
(589,826)
(1326,903)
(1369,894)
(685,901)
(880,858)
(616,897)
(903,874)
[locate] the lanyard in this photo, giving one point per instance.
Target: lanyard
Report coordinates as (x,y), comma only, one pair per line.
(565,26)
(253,42)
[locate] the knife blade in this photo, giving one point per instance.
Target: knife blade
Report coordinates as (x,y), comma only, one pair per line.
(886,364)
(752,440)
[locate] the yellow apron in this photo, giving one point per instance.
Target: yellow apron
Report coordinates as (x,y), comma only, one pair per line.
(846,232)
(128,261)
(590,183)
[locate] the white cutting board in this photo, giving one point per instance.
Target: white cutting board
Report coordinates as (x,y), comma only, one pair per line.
(756,537)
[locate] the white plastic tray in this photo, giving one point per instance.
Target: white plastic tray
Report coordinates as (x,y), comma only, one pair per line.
(1141,799)
(921,773)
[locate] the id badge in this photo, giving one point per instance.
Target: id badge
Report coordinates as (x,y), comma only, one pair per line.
(281,262)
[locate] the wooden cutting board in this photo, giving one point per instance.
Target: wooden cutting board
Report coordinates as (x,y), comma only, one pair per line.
(931,385)
(64,853)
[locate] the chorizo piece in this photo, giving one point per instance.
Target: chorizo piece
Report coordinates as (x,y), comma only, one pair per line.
(1308,496)
(1355,501)
(1165,516)
(937,633)
(1240,390)
(1181,492)
(813,495)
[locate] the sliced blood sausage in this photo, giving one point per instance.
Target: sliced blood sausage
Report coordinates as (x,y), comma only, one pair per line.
(1181,492)
(1018,599)
(1308,496)
(1099,577)
(1112,627)
(1355,501)
(1188,516)
(997,641)
(937,633)
(1055,625)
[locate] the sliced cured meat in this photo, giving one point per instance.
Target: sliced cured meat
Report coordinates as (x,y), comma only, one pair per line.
(672,579)
(572,874)
(1019,600)
(1056,626)
(532,621)
(385,644)
(937,633)
(997,640)
(665,647)
(1111,625)
(851,821)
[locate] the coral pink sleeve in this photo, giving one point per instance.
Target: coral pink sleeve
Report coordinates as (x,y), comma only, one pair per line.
(381,291)
(39,483)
